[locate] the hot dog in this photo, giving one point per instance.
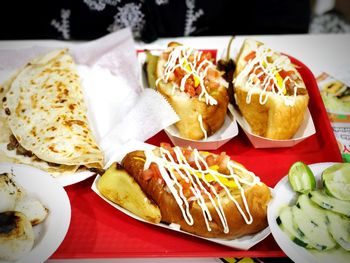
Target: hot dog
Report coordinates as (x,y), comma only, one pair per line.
(195,88)
(205,194)
(269,91)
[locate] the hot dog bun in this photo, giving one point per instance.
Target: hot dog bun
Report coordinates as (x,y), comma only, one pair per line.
(257,195)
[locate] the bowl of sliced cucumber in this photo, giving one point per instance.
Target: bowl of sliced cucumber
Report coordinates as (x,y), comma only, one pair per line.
(309,216)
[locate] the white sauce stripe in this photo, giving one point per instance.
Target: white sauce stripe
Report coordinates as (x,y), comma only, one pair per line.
(200,119)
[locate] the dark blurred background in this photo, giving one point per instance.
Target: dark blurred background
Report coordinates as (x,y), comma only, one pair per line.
(152,19)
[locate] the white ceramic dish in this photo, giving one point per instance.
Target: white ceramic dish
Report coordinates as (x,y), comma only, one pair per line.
(50,233)
(284,195)
(68,179)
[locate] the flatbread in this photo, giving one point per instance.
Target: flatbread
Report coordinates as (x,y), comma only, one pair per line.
(45,110)
(7,155)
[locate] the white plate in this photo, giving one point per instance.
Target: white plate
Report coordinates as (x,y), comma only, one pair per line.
(68,179)
(50,233)
(284,195)
(243,243)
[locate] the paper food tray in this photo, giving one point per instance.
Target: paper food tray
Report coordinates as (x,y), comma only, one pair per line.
(306,129)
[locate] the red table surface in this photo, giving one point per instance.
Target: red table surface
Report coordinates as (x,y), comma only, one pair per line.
(97,230)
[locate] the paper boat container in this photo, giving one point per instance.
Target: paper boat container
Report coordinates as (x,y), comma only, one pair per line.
(242,243)
(306,129)
(213,142)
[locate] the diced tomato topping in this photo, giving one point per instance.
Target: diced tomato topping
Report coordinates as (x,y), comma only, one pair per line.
(250,56)
(217,187)
(190,81)
(223,160)
(190,90)
(270,85)
(258,70)
(221,157)
(155,170)
(170,149)
(185,185)
(147,174)
(284,73)
(165,145)
(179,73)
(177,175)
(194,165)
(187,152)
(186,188)
(207,55)
(198,90)
(152,172)
(207,187)
(211,160)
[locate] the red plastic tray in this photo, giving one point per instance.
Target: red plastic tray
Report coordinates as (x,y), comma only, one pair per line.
(97,230)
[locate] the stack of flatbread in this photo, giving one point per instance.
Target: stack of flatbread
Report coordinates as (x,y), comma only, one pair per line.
(43,119)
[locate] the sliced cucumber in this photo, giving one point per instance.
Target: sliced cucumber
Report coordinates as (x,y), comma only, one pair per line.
(319,237)
(336,180)
(301,178)
(339,227)
(330,203)
(316,213)
(285,222)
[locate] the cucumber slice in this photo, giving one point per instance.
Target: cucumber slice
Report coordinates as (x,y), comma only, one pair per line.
(339,227)
(336,181)
(330,203)
(316,213)
(319,237)
(285,222)
(301,178)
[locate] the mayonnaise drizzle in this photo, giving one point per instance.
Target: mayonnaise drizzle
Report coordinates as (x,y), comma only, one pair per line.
(171,170)
(200,119)
(250,77)
(179,58)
